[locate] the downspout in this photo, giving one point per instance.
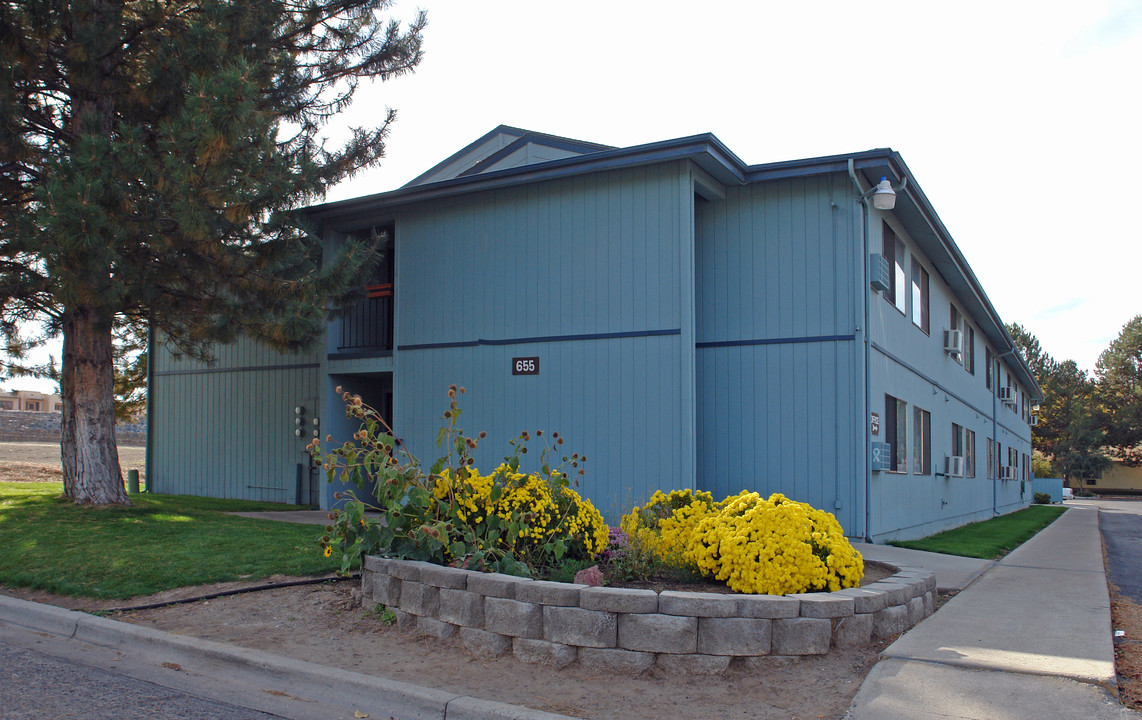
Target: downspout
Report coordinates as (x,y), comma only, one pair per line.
(150,407)
(995,427)
(862,293)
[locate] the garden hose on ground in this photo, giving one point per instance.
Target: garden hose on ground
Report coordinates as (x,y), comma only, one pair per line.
(236,591)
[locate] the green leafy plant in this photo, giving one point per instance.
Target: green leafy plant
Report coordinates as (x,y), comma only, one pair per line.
(507,521)
(1042,498)
(383,614)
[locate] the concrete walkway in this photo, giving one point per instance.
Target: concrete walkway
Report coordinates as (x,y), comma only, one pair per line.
(953,573)
(1028,639)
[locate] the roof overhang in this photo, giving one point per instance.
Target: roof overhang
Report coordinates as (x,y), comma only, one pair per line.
(708,153)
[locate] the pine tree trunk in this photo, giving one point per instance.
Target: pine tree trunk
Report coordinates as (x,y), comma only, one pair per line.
(91,472)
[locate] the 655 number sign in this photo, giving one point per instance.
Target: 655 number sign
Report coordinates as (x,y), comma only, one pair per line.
(525,366)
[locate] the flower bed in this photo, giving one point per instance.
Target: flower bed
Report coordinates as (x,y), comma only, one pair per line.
(628,630)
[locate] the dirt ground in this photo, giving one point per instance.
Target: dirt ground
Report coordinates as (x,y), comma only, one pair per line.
(39,462)
(327,624)
(1127,617)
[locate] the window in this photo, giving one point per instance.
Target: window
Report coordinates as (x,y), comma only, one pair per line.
(1026,467)
(920,296)
(32,405)
(921,442)
(894,253)
(7,405)
(896,432)
(999,459)
(990,459)
(969,453)
(59,407)
(969,350)
(963,445)
(1013,457)
(954,323)
(990,364)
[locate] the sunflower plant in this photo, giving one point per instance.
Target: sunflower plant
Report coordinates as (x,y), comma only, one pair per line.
(507,521)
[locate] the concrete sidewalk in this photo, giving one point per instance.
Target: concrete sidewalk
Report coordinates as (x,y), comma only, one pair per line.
(1029,639)
(953,573)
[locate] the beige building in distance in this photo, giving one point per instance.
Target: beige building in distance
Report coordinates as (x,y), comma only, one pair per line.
(30,401)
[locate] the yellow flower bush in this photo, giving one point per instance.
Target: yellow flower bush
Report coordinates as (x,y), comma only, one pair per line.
(507,521)
(664,525)
(776,546)
(525,512)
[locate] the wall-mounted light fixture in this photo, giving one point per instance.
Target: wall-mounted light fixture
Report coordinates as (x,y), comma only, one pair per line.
(883,196)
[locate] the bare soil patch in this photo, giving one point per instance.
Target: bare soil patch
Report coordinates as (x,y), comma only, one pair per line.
(40,461)
(326,624)
(1127,617)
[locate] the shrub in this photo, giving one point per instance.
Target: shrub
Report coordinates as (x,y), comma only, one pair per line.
(1042,498)
(509,521)
(664,525)
(775,546)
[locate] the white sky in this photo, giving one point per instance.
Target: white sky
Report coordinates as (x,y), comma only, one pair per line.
(1020,120)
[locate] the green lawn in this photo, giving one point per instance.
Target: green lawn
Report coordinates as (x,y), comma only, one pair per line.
(990,539)
(163,542)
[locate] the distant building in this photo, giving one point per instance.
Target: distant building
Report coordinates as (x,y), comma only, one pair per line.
(682,318)
(30,401)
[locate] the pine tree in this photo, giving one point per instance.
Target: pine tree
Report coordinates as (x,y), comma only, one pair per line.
(1070,430)
(153,156)
(1119,373)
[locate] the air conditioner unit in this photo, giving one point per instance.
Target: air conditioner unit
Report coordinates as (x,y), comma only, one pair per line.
(1034,421)
(954,466)
(1007,394)
(954,343)
(879,272)
(1007,472)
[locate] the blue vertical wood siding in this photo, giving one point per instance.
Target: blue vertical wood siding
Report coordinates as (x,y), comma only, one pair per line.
(912,366)
(226,429)
(595,267)
(777,374)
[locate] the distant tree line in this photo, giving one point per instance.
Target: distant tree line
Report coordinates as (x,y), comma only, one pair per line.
(1087,422)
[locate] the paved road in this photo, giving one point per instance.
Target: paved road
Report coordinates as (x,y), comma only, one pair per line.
(47,676)
(34,685)
(1121,525)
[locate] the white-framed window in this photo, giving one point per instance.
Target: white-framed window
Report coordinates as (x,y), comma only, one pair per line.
(893,249)
(969,453)
(955,322)
(969,348)
(963,445)
(920,314)
(990,367)
(896,433)
(991,455)
(921,442)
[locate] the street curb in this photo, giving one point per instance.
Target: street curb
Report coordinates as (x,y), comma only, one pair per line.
(287,675)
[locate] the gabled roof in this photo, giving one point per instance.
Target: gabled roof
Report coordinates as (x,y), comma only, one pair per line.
(510,156)
(505,147)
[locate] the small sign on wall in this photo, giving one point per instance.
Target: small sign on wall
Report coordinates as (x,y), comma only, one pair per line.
(525,366)
(875,423)
(881,457)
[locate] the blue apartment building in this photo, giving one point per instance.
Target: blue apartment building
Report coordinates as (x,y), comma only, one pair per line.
(680,317)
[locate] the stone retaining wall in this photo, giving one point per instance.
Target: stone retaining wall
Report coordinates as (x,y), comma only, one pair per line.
(30,426)
(628,631)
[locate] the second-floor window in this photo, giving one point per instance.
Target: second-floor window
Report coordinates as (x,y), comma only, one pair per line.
(920,296)
(897,281)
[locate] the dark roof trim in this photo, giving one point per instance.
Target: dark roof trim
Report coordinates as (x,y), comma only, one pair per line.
(708,153)
(550,141)
(965,281)
(500,130)
(706,150)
